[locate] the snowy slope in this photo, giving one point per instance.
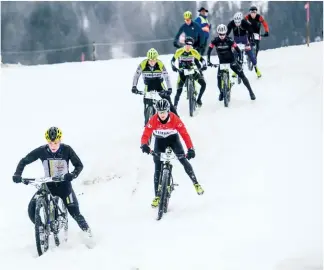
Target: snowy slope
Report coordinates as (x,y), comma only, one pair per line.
(258,161)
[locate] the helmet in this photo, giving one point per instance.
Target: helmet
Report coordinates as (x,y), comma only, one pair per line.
(189,41)
(253,8)
(152,54)
(187,15)
(221,29)
(162,105)
(53,134)
(238,17)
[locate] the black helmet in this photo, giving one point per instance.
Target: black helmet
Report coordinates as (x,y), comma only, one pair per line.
(189,41)
(253,8)
(53,134)
(162,105)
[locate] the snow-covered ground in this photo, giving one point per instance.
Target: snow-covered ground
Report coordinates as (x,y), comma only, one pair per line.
(259,162)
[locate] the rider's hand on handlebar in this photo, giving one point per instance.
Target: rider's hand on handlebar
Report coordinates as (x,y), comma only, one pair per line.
(203,68)
(17,179)
(191,153)
(134,90)
(210,64)
(146,149)
(266,34)
(174,68)
(69,177)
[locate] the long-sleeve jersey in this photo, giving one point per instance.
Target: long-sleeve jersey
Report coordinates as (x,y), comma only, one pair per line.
(188,58)
(223,49)
(173,126)
(192,30)
(54,164)
(243,30)
(152,76)
(256,23)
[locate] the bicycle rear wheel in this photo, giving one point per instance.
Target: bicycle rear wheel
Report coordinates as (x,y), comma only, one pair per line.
(148,114)
(42,231)
(226,89)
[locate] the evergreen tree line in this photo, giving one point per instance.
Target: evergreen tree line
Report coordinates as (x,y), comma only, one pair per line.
(38,26)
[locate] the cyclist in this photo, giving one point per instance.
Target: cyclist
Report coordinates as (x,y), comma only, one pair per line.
(187,57)
(224,45)
(166,127)
(154,73)
(55,157)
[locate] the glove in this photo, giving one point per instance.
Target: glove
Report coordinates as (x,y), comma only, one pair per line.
(209,63)
(17,179)
(266,34)
(191,153)
(69,177)
(174,68)
(134,90)
(146,149)
(203,68)
(166,93)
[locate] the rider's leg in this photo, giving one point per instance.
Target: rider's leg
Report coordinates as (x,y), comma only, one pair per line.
(180,83)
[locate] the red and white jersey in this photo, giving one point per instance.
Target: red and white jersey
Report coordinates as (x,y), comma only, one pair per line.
(160,130)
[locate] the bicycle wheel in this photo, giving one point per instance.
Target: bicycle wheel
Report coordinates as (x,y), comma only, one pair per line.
(41,229)
(148,114)
(192,100)
(164,198)
(225,88)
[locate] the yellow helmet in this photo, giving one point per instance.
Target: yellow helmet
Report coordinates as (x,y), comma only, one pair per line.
(53,134)
(152,54)
(187,15)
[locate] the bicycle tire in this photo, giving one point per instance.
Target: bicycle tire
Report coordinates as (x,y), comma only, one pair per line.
(41,228)
(192,100)
(164,199)
(225,88)
(148,114)
(62,219)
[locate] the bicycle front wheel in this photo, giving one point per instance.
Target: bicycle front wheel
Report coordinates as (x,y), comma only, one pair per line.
(164,198)
(41,229)
(192,100)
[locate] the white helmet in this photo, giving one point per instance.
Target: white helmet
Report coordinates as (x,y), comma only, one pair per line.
(221,29)
(238,17)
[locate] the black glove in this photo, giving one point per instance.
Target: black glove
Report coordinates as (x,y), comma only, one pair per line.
(146,149)
(191,153)
(69,177)
(209,63)
(203,68)
(174,68)
(134,90)
(17,179)
(266,34)
(166,93)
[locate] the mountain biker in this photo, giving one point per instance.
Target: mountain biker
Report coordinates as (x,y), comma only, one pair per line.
(255,19)
(190,29)
(187,57)
(202,20)
(55,157)
(166,127)
(154,73)
(224,45)
(242,30)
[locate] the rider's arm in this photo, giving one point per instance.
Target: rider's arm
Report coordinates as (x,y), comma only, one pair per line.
(180,127)
(210,48)
(176,56)
(137,74)
(232,43)
(176,39)
(31,157)
(229,28)
(165,75)
(264,23)
(76,162)
(246,25)
(148,130)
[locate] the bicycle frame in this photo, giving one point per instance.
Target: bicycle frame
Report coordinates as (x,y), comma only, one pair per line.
(226,83)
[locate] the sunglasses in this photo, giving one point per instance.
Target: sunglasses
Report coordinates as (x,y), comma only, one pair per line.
(253,11)
(162,112)
(221,35)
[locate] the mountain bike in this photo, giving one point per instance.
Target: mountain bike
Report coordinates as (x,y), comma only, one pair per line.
(190,87)
(244,58)
(226,84)
(151,98)
(51,215)
(166,184)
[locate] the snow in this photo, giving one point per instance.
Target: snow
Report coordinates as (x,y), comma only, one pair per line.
(258,161)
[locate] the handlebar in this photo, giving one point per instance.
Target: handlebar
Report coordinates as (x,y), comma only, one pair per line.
(42,180)
(166,156)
